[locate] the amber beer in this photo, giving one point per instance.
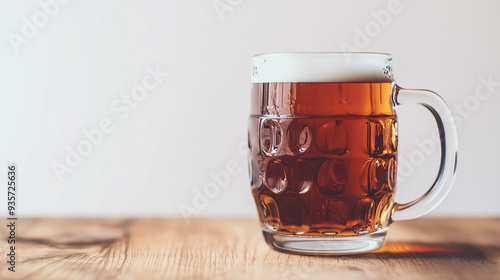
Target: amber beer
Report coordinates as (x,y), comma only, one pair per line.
(323,147)
(323,156)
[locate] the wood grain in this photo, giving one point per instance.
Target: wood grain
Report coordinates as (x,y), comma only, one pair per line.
(235,249)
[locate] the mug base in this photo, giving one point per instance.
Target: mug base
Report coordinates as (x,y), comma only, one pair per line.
(314,246)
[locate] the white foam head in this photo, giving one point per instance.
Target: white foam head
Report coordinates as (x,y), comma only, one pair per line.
(321,67)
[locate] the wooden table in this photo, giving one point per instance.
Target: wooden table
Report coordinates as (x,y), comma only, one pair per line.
(235,249)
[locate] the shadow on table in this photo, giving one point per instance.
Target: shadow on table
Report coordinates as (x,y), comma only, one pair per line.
(433,250)
(404,260)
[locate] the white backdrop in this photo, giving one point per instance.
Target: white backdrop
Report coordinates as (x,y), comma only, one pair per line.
(69,68)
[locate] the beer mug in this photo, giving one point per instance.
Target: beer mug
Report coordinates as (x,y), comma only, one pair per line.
(323,140)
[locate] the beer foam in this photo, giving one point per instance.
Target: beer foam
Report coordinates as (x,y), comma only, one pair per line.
(321,67)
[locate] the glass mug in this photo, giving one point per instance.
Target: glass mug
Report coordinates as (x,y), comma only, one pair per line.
(323,143)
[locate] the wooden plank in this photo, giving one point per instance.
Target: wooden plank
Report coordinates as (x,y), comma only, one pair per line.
(234,248)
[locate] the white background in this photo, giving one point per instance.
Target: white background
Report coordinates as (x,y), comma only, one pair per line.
(64,79)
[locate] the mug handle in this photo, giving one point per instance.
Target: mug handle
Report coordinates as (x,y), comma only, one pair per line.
(449,145)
